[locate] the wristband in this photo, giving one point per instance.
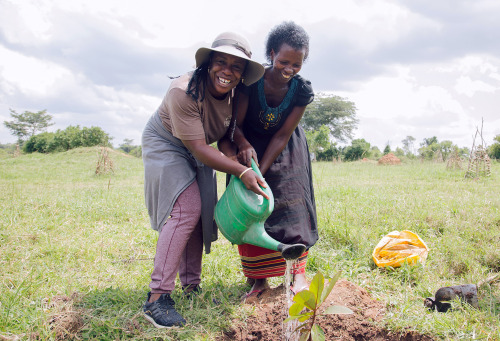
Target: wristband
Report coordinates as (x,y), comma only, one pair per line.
(246,170)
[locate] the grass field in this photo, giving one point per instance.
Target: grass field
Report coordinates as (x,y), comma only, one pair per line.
(76,248)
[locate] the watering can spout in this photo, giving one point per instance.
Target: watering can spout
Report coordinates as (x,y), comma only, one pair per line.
(291,251)
(240,215)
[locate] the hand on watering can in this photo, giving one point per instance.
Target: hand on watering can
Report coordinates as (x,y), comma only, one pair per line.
(253,182)
(246,154)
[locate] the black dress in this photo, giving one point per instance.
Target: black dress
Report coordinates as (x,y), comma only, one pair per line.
(289,177)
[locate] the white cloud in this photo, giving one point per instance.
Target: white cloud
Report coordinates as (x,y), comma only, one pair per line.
(412,68)
(467,86)
(29,75)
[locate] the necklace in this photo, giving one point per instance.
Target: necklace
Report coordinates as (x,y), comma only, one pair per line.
(269,116)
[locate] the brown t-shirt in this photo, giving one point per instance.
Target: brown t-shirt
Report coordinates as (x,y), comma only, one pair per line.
(188,119)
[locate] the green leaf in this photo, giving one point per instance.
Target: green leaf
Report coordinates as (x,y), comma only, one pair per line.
(307,298)
(295,309)
(338,309)
(302,328)
(317,285)
(304,336)
(301,317)
(317,333)
(330,286)
(305,316)
(291,318)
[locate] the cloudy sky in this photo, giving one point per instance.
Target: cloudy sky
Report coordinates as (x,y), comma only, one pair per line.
(418,68)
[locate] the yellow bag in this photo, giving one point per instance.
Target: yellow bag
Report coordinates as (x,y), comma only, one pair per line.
(399,247)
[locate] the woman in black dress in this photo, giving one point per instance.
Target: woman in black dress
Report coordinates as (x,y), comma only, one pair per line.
(268,131)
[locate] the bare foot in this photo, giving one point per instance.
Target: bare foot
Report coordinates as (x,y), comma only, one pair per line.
(258,288)
(260,284)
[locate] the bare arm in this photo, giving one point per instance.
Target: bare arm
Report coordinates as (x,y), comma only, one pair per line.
(280,138)
(216,160)
(227,148)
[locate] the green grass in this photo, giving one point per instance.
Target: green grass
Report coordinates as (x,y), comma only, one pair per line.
(66,232)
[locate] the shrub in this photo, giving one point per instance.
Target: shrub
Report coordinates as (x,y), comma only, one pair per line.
(69,138)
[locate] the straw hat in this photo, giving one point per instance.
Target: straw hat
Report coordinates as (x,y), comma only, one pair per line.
(236,45)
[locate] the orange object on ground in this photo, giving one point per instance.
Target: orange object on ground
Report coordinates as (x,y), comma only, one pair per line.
(396,248)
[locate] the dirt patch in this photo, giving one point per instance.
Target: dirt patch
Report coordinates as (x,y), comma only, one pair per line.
(266,323)
(65,320)
(389,159)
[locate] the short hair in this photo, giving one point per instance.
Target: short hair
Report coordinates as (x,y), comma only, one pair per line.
(289,33)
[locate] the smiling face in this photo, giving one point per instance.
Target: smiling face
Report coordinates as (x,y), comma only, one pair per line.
(287,62)
(224,73)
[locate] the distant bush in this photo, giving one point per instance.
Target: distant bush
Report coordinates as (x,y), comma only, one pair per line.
(128,147)
(328,154)
(8,148)
(494,149)
(69,138)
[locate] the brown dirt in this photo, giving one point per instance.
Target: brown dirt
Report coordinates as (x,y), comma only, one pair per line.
(363,324)
(389,159)
(64,320)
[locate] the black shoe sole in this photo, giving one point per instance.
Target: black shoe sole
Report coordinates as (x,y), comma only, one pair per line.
(150,319)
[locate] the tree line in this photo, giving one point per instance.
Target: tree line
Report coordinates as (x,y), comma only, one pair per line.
(328,121)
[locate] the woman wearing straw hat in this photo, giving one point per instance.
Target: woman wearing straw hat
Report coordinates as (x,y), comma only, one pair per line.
(179,163)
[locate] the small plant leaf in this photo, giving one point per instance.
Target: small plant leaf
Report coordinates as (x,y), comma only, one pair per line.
(317,333)
(306,316)
(306,298)
(304,336)
(291,318)
(302,328)
(295,309)
(337,309)
(317,285)
(330,286)
(300,317)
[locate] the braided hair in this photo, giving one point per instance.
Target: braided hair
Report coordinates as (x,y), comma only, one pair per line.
(289,33)
(199,76)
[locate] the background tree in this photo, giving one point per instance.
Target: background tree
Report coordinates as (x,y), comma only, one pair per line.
(357,150)
(431,147)
(494,149)
(28,123)
(320,144)
(446,147)
(127,145)
(387,149)
(429,141)
(334,112)
(408,147)
(375,152)
(399,152)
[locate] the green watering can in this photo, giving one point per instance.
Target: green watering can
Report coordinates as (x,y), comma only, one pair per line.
(240,215)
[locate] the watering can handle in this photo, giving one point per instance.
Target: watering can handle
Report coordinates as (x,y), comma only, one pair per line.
(256,169)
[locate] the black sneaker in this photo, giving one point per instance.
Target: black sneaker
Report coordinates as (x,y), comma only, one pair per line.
(161,313)
(191,290)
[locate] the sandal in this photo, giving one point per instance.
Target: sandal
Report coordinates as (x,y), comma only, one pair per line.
(253,293)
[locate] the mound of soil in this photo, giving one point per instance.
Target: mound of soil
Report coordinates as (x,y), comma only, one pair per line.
(389,159)
(270,311)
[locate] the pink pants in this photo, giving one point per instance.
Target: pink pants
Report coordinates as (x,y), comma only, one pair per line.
(180,244)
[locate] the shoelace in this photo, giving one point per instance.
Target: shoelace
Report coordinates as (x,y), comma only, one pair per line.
(168,300)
